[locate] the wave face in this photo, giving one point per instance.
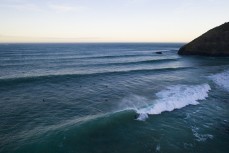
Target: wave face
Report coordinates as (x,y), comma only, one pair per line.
(175,97)
(221,79)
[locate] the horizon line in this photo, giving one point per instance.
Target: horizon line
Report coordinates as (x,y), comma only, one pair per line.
(88,42)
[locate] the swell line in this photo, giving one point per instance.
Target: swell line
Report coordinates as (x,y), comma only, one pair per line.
(32,58)
(92,64)
(22,79)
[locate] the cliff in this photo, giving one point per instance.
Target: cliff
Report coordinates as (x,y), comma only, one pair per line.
(215,42)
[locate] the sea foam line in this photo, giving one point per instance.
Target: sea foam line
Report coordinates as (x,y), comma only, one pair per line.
(175,97)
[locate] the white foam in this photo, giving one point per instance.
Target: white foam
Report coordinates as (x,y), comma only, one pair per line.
(142,117)
(158,148)
(200,137)
(175,97)
(221,79)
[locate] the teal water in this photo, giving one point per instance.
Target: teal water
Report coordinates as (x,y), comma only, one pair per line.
(112,98)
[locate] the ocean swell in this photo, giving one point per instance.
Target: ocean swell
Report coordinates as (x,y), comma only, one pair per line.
(175,97)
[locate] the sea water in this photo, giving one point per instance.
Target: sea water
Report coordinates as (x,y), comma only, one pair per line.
(112,98)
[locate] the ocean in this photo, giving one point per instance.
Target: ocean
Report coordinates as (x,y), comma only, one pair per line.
(112,98)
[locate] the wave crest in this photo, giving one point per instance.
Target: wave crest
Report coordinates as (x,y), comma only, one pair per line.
(221,79)
(175,97)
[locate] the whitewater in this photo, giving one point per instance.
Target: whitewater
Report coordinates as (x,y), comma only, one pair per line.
(175,97)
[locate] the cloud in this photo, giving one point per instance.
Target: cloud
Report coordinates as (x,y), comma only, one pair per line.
(65,7)
(25,5)
(138,1)
(21,6)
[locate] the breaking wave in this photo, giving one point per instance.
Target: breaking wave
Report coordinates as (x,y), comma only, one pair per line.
(175,97)
(221,79)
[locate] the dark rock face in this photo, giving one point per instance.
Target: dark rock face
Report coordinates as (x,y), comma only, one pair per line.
(215,42)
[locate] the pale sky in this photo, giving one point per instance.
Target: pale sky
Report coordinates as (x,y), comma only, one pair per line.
(109,20)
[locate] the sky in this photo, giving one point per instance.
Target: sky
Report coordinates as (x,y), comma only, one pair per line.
(109,20)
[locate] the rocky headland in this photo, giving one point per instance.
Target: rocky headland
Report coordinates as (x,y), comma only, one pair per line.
(215,42)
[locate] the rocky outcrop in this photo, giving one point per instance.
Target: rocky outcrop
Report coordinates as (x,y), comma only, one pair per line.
(215,42)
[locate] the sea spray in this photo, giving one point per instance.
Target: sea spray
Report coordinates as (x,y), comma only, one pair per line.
(175,97)
(133,102)
(221,79)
